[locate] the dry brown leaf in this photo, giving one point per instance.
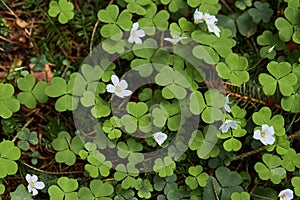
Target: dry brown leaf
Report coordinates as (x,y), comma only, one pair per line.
(21,23)
(45,75)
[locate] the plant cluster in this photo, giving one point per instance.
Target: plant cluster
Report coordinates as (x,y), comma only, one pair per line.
(195,99)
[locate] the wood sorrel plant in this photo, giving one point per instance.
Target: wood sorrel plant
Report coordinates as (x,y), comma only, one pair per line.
(195,99)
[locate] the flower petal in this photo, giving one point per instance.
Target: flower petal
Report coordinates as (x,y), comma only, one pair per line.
(123,84)
(135,26)
(39,185)
(270,139)
(29,188)
(160,137)
(257,135)
(115,80)
(137,40)
(28,178)
(130,39)
(124,93)
(264,128)
(140,33)
(110,88)
(271,130)
(34,192)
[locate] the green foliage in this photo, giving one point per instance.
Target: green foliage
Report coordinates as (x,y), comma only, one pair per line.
(2,188)
(167,114)
(65,189)
(198,178)
(211,7)
(225,183)
(9,153)
(288,27)
(164,167)
(213,46)
(31,92)
(137,118)
(67,148)
(174,5)
(270,169)
(290,160)
(263,116)
(210,108)
(21,193)
(97,190)
(268,41)
(243,4)
(8,103)
(97,165)
(205,142)
(296,183)
(111,127)
(167,184)
(174,82)
(130,149)
(234,69)
(245,24)
(39,62)
(261,12)
(282,76)
(152,21)
(26,138)
(240,196)
(116,21)
(68,93)
(63,9)
(144,188)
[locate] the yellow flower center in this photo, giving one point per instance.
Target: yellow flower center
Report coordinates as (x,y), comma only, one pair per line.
(118,89)
(283,196)
(31,184)
(263,134)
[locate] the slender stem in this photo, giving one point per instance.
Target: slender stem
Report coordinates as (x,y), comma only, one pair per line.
(92,38)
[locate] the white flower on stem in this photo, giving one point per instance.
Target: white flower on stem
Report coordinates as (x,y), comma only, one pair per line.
(229,124)
(118,87)
(136,34)
(33,184)
(213,28)
(198,16)
(286,194)
(175,39)
(265,135)
(160,137)
(226,105)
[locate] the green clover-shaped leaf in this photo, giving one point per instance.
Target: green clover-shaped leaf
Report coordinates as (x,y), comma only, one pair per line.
(270,169)
(282,76)
(174,5)
(63,9)
(8,103)
(116,22)
(26,137)
(210,6)
(296,184)
(262,11)
(290,160)
(97,190)
(268,40)
(137,118)
(67,148)
(130,149)
(8,154)
(144,188)
(289,27)
(97,164)
(234,69)
(64,190)
(198,178)
(164,167)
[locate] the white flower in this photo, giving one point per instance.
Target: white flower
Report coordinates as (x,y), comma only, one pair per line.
(175,39)
(229,124)
(33,184)
(210,21)
(265,135)
(136,34)
(286,194)
(213,28)
(198,17)
(160,137)
(119,87)
(226,105)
